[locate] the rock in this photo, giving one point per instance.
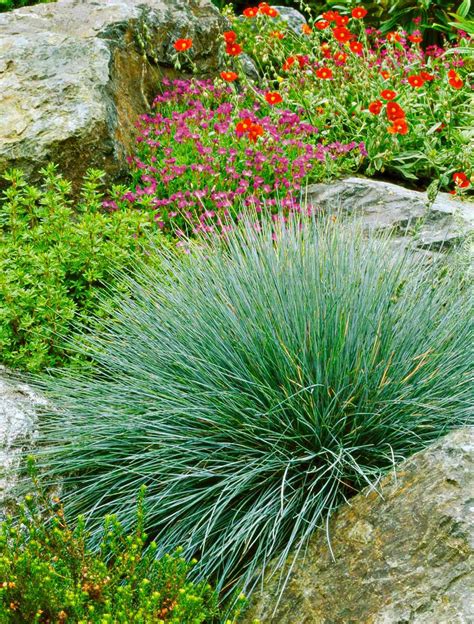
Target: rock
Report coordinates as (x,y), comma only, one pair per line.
(382,205)
(294,18)
(18,405)
(405,556)
(75,75)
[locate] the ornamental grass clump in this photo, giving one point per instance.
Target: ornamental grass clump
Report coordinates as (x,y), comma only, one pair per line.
(269,378)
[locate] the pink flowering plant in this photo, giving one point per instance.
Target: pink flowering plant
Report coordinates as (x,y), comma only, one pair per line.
(207,151)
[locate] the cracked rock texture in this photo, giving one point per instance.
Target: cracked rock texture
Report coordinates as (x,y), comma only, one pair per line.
(18,404)
(382,205)
(404,555)
(75,75)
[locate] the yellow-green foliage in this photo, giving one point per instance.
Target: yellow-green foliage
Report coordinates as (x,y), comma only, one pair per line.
(48,573)
(55,257)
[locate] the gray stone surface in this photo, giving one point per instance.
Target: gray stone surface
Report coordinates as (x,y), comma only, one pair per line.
(18,404)
(382,205)
(401,556)
(294,18)
(74,76)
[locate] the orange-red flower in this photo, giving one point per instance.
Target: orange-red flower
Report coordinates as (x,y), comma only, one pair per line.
(324,72)
(330,16)
(385,74)
(250,12)
(255,131)
(399,126)
(356,47)
(322,24)
(416,81)
(340,58)
(288,63)
(265,9)
(427,76)
(243,126)
(273,97)
(393,36)
(415,38)
(461,180)
(326,49)
(229,36)
(394,111)
(234,49)
(342,20)
(342,34)
(229,76)
(181,45)
(375,107)
(277,34)
(359,12)
(306,29)
(454,79)
(388,94)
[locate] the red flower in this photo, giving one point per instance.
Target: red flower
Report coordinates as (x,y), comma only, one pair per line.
(356,47)
(394,111)
(326,50)
(393,36)
(385,74)
(229,76)
(455,80)
(230,36)
(288,63)
(340,58)
(342,34)
(234,49)
(359,12)
(324,72)
(322,24)
(375,107)
(330,16)
(415,37)
(461,180)
(416,81)
(427,76)
(399,126)
(277,34)
(243,126)
(273,97)
(306,29)
(388,94)
(255,131)
(265,9)
(181,45)
(342,20)
(250,12)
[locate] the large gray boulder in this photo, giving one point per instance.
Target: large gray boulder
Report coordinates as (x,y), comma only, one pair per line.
(382,205)
(18,407)
(402,555)
(75,75)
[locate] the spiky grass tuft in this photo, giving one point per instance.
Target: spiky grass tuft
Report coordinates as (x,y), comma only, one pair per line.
(258,386)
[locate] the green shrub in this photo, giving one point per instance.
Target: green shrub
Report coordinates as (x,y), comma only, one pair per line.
(258,388)
(54,259)
(49,574)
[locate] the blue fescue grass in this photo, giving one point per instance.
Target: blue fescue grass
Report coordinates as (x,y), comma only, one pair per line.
(256,385)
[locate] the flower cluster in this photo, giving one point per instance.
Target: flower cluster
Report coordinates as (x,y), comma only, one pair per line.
(206,151)
(343,75)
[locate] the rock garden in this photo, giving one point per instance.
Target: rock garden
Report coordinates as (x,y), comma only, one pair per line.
(236,312)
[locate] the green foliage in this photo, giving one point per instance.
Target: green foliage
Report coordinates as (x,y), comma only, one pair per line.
(49,574)
(259,387)
(9,5)
(55,257)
